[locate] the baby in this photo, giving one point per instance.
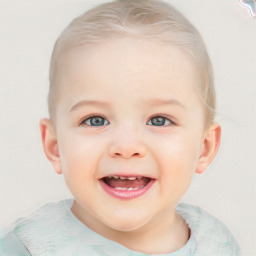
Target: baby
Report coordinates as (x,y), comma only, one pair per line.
(131,106)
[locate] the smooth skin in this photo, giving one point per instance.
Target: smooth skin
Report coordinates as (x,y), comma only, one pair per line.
(151,122)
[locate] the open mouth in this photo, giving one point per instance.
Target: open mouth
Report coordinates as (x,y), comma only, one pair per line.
(126,183)
(126,187)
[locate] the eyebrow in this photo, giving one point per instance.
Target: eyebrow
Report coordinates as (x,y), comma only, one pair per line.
(89,102)
(159,102)
(151,102)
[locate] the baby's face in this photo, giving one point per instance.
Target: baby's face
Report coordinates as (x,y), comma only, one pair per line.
(130,131)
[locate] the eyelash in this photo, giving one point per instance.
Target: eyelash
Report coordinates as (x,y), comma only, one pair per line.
(83,122)
(166,118)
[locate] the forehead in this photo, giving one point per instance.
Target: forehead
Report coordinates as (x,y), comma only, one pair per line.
(129,66)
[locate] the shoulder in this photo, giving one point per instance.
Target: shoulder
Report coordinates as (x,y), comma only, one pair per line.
(25,233)
(11,245)
(211,235)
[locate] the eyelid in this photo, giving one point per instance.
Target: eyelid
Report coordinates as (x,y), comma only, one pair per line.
(165,116)
(82,121)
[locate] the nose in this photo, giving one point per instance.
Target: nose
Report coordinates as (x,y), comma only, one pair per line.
(127,143)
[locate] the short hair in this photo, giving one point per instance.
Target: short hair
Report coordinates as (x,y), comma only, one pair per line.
(145,19)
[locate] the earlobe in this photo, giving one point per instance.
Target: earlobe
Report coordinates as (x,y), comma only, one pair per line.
(210,147)
(50,144)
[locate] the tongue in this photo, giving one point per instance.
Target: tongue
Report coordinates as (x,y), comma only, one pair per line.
(137,183)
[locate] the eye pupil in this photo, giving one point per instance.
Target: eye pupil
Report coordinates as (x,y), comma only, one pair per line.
(158,121)
(97,121)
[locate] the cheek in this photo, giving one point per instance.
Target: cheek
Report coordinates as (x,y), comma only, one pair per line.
(177,158)
(79,156)
(178,148)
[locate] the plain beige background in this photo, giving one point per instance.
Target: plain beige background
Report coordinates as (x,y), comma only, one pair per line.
(28,30)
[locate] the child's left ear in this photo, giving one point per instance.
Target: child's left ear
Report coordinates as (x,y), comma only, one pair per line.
(210,147)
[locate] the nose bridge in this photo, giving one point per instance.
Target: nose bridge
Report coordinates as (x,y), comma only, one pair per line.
(127,142)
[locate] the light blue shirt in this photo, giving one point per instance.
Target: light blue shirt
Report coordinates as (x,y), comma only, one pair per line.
(53,230)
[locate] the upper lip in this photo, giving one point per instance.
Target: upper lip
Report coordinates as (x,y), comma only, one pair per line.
(127,176)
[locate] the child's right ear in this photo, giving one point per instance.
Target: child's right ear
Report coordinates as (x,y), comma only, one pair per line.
(50,144)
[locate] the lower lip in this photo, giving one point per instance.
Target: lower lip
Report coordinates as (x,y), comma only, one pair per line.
(126,194)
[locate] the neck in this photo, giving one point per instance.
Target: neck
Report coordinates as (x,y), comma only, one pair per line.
(162,237)
(165,235)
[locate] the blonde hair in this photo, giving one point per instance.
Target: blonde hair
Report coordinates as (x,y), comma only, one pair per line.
(146,19)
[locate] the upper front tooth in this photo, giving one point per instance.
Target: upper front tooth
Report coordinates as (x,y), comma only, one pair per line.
(132,178)
(124,178)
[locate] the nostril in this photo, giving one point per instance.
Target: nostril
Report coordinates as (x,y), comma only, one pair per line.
(127,151)
(140,155)
(127,155)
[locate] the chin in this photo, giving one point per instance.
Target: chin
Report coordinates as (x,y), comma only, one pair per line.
(126,228)
(128,223)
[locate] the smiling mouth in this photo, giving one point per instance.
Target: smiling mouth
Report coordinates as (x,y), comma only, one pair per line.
(123,183)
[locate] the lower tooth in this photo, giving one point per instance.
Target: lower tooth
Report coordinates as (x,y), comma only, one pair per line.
(119,188)
(132,188)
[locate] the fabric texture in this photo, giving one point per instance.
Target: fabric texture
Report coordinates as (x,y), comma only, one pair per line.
(53,230)
(12,246)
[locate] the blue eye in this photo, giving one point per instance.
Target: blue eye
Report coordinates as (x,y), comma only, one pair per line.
(159,121)
(95,121)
